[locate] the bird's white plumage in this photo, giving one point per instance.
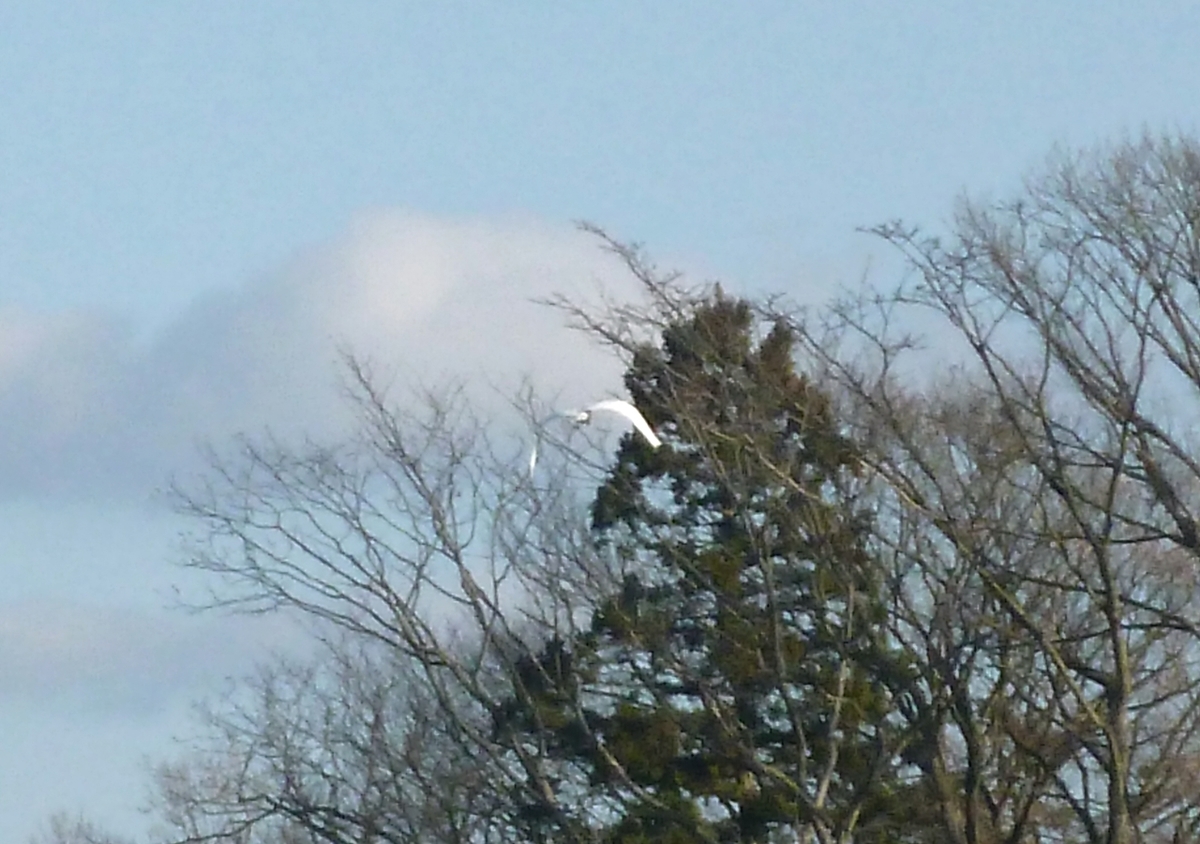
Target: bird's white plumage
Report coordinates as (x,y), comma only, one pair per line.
(626,409)
(618,406)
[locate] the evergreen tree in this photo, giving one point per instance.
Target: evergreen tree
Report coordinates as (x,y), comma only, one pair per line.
(738,686)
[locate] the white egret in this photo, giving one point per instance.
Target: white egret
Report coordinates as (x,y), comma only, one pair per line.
(618,406)
(625,409)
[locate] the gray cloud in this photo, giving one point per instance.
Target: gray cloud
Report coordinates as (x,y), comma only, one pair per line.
(119,662)
(87,411)
(92,694)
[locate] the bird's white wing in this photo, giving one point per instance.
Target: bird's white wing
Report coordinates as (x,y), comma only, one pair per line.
(631,413)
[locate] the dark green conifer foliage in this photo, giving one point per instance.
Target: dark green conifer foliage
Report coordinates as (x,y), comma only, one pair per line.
(734,687)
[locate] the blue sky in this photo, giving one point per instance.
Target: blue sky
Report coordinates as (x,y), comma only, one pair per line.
(200,200)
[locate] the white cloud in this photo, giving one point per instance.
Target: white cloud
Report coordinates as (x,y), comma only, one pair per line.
(86,411)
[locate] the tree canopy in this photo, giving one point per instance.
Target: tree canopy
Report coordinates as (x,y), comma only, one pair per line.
(859,594)
(739,681)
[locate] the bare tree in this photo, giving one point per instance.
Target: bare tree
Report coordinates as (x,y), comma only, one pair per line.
(418,539)
(1044,500)
(345,748)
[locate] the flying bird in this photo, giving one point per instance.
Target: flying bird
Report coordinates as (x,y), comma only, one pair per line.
(618,406)
(626,409)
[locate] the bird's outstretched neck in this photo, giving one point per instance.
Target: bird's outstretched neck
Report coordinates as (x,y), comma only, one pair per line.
(626,409)
(618,406)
